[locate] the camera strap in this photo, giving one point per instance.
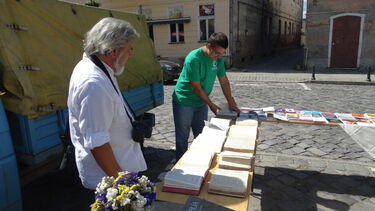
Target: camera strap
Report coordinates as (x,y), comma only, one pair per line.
(98,63)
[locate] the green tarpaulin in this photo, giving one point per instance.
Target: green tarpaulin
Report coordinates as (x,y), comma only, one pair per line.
(41,42)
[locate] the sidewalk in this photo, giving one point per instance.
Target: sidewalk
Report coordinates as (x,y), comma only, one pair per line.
(298,77)
(281,67)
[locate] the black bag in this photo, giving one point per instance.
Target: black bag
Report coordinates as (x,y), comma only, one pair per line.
(142,127)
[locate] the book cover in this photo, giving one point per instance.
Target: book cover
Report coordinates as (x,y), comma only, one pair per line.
(333,120)
(370,116)
(346,118)
(280,116)
(306,116)
(328,114)
(318,117)
(292,116)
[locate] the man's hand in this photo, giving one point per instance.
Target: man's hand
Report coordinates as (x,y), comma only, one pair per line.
(233,106)
(214,108)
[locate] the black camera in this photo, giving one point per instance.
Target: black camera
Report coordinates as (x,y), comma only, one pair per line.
(142,127)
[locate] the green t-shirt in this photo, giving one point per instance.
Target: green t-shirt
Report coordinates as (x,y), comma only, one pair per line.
(201,68)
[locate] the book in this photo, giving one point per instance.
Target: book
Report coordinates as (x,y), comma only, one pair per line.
(240,144)
(210,142)
(241,131)
(328,114)
(346,118)
(197,158)
(290,110)
(235,160)
(318,117)
(306,116)
(198,204)
(246,121)
(221,121)
(185,179)
(292,116)
(280,116)
(268,109)
(333,120)
(261,115)
(226,114)
(370,116)
(229,182)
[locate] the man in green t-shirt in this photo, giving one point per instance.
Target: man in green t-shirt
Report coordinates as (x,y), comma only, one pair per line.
(191,95)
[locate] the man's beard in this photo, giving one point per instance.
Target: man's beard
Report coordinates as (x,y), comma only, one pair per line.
(118,68)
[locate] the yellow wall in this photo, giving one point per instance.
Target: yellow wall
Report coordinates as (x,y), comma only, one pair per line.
(161,31)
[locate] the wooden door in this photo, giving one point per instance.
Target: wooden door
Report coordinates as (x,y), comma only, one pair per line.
(345,41)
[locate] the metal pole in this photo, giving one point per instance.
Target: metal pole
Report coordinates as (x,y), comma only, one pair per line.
(313,74)
(369,74)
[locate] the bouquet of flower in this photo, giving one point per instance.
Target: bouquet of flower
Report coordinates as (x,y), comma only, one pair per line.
(126,192)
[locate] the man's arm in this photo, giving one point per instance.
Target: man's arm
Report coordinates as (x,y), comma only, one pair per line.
(106,160)
(225,86)
(197,88)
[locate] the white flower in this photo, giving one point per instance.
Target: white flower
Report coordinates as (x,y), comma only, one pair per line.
(143,180)
(111,193)
(114,205)
(104,184)
(125,201)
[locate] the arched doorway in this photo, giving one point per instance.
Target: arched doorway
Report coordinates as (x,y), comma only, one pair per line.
(345,40)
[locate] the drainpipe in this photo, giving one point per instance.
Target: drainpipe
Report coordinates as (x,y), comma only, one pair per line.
(231,2)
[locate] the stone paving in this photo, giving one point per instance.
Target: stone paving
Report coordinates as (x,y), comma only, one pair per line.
(298,167)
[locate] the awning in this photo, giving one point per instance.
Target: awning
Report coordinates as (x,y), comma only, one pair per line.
(169,20)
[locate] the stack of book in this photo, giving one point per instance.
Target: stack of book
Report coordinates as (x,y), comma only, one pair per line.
(235,160)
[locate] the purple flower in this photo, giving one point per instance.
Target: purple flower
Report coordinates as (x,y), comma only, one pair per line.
(108,207)
(150,197)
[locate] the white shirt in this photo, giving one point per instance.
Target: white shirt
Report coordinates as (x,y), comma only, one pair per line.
(97,116)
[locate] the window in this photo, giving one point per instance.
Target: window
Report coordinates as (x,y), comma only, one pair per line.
(206,21)
(177,32)
(151,31)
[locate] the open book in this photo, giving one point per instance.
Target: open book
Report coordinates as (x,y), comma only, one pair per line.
(246,121)
(197,158)
(246,145)
(241,139)
(229,182)
(235,160)
(185,179)
(221,121)
(240,131)
(187,176)
(208,142)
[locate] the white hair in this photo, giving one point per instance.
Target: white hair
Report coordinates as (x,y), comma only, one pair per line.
(107,34)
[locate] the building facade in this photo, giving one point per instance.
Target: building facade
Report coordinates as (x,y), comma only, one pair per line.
(340,34)
(254,27)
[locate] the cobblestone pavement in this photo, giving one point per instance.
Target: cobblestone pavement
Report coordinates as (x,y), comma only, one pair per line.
(298,167)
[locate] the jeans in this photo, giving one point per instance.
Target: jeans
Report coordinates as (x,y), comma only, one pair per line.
(186,117)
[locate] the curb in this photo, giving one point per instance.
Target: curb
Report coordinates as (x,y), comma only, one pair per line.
(364,83)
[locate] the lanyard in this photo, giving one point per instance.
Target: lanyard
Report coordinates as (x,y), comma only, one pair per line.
(98,63)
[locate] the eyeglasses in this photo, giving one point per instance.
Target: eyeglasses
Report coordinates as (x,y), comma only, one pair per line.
(217,53)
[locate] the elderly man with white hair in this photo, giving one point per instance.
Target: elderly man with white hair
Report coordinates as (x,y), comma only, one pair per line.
(99,119)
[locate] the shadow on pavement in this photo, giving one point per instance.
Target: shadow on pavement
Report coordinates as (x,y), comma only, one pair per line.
(63,191)
(288,189)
